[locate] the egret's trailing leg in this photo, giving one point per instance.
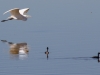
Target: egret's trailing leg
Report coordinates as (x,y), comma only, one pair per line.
(7,19)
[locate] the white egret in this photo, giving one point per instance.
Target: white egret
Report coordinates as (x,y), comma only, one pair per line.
(18,14)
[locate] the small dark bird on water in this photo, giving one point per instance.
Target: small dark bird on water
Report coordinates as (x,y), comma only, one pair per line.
(47,51)
(96,56)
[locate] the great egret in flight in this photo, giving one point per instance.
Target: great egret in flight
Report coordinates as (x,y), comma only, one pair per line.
(18,14)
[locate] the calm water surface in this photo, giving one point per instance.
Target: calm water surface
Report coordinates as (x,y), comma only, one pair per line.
(70,28)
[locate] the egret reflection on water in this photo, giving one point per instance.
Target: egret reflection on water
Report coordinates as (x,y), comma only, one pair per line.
(18,56)
(22,57)
(15,47)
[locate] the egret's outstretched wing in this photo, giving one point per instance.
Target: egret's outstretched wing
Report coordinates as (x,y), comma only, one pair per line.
(14,11)
(23,11)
